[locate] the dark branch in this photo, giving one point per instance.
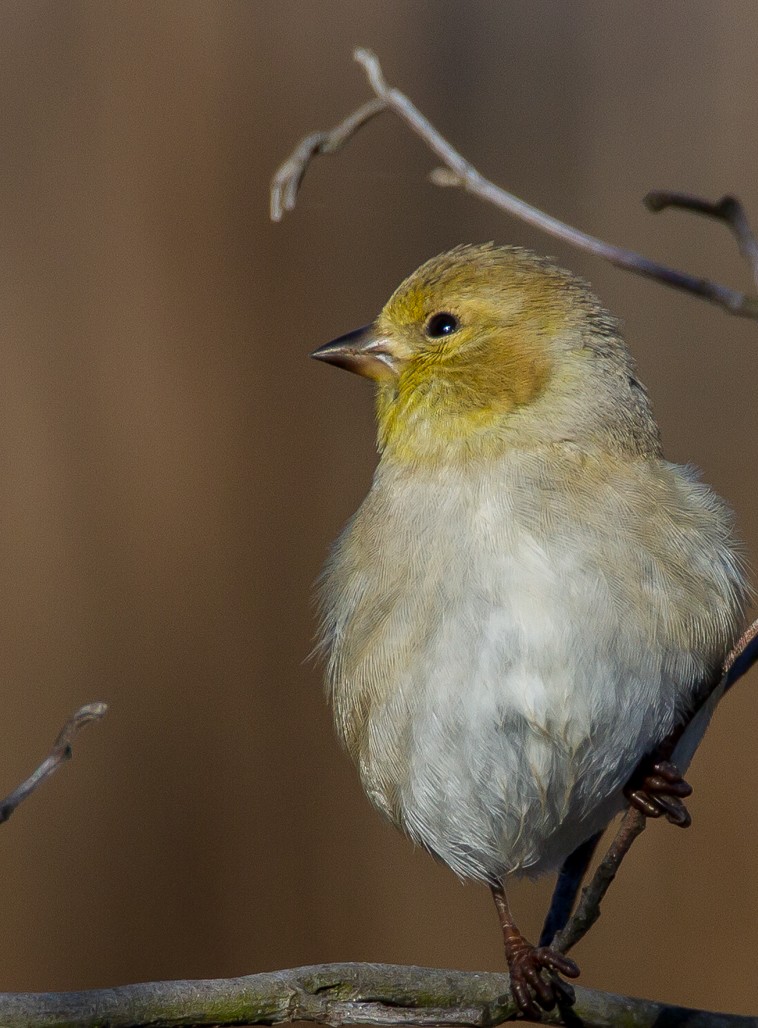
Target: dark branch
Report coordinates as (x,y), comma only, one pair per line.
(728,209)
(738,662)
(588,911)
(457,171)
(58,755)
(567,887)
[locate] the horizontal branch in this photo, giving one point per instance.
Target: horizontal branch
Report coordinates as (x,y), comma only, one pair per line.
(374,994)
(459,172)
(336,995)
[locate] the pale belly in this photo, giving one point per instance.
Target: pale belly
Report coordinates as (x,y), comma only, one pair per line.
(500,736)
(502,753)
(493,792)
(496,680)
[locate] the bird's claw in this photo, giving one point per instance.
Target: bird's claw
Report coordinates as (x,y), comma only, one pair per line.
(658,790)
(535,981)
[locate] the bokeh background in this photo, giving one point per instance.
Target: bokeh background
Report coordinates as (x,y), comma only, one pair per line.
(173,467)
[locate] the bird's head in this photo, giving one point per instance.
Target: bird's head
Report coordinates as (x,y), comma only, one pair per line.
(486,347)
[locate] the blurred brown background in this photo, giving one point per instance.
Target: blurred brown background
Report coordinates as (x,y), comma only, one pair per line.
(174,468)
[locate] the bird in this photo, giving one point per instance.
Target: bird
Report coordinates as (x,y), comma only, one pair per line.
(530,598)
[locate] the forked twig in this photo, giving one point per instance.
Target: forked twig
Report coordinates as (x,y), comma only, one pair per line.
(459,172)
(288,177)
(728,209)
(57,756)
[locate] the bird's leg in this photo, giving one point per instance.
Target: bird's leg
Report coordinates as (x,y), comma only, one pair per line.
(657,788)
(533,970)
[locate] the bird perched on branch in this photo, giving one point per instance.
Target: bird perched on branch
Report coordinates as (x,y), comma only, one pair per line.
(529,598)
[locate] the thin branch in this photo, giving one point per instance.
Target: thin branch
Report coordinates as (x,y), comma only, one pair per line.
(728,209)
(289,176)
(461,173)
(58,755)
(740,659)
(335,995)
(588,911)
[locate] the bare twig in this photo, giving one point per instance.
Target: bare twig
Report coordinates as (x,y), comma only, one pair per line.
(588,911)
(738,662)
(742,657)
(58,755)
(336,995)
(286,182)
(459,172)
(728,209)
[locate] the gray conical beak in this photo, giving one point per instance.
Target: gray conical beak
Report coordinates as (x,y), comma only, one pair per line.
(363,352)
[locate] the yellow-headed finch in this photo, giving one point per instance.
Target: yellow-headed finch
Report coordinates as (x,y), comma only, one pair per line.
(530,595)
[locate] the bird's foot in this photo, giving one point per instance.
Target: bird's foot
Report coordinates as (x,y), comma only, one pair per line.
(658,789)
(534,973)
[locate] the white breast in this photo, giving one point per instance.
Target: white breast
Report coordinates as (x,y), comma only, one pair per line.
(499,665)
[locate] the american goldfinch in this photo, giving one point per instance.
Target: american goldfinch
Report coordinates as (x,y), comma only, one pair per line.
(529,597)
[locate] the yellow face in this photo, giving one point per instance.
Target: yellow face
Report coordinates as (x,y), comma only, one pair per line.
(469,339)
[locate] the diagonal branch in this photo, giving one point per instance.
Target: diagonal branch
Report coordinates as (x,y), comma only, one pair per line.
(588,911)
(57,756)
(459,172)
(738,662)
(335,995)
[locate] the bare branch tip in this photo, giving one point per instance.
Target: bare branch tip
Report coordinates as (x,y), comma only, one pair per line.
(60,753)
(91,712)
(655,201)
(365,56)
(83,716)
(370,64)
(446,178)
(730,206)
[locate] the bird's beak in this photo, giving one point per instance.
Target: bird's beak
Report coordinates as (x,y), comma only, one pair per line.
(364,352)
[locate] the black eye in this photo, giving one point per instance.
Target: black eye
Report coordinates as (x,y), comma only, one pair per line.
(442,324)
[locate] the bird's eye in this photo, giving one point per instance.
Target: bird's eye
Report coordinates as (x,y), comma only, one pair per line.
(442,324)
